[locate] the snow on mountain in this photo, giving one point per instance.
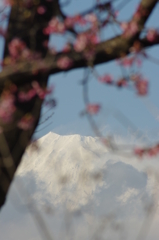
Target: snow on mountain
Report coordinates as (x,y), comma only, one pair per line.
(63,164)
(72,174)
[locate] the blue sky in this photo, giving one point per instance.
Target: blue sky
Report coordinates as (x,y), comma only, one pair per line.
(68,90)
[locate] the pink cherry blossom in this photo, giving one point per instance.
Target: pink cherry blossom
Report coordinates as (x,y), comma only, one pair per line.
(69,22)
(154,150)
(127,62)
(93,38)
(152,35)
(16,46)
(93,108)
(81,42)
(133,29)
(140,11)
(72,21)
(7,107)
(41,10)
(151,151)
(129,28)
(26,122)
(93,20)
(142,87)
(64,62)
(54,26)
(139,152)
(124,26)
(106,79)
(26,96)
(84,40)
(121,82)
(80,20)
(40,91)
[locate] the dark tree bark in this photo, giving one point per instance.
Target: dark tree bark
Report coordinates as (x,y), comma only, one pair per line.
(27,25)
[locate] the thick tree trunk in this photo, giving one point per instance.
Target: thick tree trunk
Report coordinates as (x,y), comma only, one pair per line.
(27,25)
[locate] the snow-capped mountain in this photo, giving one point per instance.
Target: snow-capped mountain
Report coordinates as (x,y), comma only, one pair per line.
(75,179)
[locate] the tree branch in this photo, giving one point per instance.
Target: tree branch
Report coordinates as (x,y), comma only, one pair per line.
(106,51)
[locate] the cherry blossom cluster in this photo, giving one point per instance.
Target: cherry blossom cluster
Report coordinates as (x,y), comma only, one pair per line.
(40,91)
(35,90)
(84,41)
(18,51)
(93,108)
(64,62)
(152,35)
(11,96)
(151,151)
(132,27)
(7,106)
(16,48)
(108,79)
(57,26)
(141,84)
(129,28)
(130,61)
(26,122)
